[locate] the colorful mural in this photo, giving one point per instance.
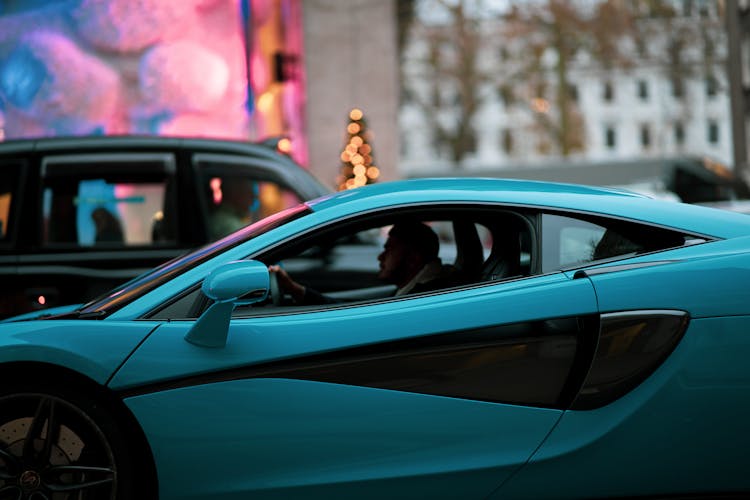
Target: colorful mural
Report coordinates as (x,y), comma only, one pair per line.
(208,68)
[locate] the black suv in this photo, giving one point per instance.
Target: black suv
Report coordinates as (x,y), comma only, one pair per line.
(79,216)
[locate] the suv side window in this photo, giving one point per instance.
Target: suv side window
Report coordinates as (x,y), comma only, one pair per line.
(239,191)
(109,200)
(568,242)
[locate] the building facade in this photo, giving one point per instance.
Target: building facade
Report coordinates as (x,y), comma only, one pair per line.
(644,109)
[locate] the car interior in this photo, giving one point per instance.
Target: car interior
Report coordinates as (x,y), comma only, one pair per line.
(342,261)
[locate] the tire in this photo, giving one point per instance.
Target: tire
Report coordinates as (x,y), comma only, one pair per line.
(58,444)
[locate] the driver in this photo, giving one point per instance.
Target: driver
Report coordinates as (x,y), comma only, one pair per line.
(409,260)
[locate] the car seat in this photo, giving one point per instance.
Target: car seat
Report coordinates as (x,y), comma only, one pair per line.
(504,260)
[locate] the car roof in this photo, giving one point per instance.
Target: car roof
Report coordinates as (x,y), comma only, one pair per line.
(104,142)
(590,200)
(116,143)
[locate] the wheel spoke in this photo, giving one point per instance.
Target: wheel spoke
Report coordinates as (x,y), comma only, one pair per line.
(11,467)
(53,432)
(42,415)
(61,452)
(83,477)
(11,492)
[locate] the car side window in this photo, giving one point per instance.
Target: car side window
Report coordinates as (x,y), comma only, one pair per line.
(356,261)
(237,192)
(569,241)
(341,261)
(108,202)
(9,198)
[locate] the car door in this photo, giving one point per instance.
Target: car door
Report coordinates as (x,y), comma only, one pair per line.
(439,395)
(101,220)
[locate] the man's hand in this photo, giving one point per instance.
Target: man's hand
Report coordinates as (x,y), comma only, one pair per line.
(287,284)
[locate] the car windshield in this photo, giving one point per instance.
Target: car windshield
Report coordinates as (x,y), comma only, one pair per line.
(118,297)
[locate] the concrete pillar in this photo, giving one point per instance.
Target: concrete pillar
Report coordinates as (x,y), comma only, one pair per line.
(351,61)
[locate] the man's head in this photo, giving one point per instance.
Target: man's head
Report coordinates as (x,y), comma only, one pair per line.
(409,247)
(238,193)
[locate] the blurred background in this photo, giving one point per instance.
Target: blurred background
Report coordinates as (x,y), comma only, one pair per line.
(651,95)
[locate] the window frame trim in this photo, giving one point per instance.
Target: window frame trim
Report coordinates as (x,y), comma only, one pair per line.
(84,165)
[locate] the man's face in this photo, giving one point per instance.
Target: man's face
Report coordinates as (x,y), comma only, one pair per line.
(394,261)
(239,194)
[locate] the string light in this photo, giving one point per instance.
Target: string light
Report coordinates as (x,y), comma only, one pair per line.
(353,128)
(356,157)
(284,145)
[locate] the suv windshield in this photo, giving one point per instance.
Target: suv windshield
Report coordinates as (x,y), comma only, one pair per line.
(118,297)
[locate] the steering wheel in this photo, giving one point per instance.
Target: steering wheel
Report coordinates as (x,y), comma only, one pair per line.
(274,290)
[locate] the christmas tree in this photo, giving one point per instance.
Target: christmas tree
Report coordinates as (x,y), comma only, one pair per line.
(357,167)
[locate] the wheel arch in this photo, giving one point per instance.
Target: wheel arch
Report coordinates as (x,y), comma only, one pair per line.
(41,374)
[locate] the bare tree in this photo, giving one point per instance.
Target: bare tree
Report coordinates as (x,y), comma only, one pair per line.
(682,39)
(446,85)
(543,43)
(549,35)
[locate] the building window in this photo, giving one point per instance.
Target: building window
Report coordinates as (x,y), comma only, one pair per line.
(712,86)
(704,9)
(608,92)
(642,47)
(687,8)
(645,136)
(713,132)
(505,92)
(678,87)
(507,141)
(679,133)
(610,137)
(643,90)
(407,95)
(573,92)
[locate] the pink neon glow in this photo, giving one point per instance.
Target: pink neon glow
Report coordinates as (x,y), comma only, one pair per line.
(217,195)
(157,67)
(160,67)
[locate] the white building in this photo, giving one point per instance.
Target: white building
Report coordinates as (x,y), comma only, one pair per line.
(622,113)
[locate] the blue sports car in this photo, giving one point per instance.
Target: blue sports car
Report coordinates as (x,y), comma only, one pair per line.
(590,343)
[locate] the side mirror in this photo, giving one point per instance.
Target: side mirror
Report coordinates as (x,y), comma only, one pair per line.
(236,283)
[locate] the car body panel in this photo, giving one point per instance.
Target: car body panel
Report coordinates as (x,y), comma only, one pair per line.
(274,437)
(721,272)
(396,439)
(611,202)
(265,339)
(52,311)
(680,415)
(91,348)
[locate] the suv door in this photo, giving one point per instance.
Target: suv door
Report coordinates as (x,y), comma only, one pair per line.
(103,219)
